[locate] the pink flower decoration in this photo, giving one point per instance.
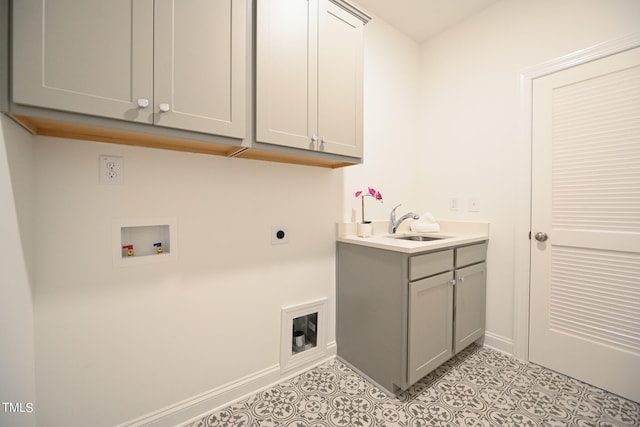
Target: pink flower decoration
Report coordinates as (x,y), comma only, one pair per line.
(371,192)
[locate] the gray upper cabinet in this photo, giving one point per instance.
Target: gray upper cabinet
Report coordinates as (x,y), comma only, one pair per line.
(286,64)
(199,65)
(179,75)
(179,64)
(309,66)
(340,80)
(68,56)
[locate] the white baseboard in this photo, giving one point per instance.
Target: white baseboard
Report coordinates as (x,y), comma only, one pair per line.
(497,342)
(193,408)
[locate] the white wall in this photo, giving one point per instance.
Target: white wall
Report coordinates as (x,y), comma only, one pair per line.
(470,112)
(17,384)
(116,343)
(391,63)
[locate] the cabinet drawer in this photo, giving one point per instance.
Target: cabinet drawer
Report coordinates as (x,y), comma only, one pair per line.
(430,264)
(471,254)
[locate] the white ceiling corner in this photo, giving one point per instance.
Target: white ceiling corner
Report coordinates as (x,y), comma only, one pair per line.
(422,19)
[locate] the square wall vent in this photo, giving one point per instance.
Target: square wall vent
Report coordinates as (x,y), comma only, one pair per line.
(304,334)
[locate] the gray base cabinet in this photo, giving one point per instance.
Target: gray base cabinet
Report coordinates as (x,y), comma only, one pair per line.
(399,316)
(470,290)
(430,303)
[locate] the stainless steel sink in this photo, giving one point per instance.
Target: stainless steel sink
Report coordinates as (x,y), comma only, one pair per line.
(419,238)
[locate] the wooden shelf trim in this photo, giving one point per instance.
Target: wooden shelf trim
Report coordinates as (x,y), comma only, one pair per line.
(59,129)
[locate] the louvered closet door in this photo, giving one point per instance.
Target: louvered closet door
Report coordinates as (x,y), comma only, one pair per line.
(585,278)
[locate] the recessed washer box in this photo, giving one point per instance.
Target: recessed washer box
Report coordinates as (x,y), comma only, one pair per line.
(144,241)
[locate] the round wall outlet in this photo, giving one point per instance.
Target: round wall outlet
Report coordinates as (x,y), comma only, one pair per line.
(279,235)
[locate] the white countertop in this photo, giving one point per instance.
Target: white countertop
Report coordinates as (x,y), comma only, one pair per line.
(454,233)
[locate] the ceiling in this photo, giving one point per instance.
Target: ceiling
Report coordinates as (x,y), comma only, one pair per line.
(421,19)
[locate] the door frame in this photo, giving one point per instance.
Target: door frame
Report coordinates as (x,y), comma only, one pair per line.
(524,182)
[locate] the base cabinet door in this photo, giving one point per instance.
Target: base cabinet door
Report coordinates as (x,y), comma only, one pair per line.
(470,305)
(430,326)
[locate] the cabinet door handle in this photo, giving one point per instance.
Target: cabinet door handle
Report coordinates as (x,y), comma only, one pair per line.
(461,279)
(323,140)
(143,102)
(452,282)
(314,138)
(164,107)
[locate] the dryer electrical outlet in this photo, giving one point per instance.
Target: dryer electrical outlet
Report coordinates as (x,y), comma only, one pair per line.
(279,235)
(111,170)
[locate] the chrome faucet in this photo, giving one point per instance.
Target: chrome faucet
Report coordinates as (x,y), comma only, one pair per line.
(394,224)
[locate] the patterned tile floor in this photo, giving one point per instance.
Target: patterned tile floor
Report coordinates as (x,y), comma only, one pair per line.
(478,387)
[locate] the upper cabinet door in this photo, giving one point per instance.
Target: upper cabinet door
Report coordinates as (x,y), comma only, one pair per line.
(85,56)
(286,72)
(309,75)
(200,65)
(340,69)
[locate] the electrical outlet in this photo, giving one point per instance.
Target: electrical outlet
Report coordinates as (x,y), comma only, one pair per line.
(474,204)
(453,204)
(111,170)
(279,235)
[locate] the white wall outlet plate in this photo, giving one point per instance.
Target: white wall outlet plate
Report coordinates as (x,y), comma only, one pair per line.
(474,204)
(111,170)
(453,204)
(279,235)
